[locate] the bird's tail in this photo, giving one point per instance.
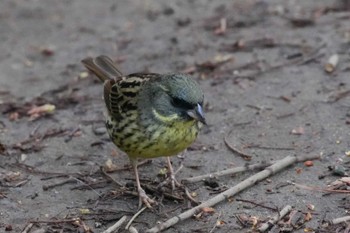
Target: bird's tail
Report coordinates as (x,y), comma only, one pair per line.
(102,66)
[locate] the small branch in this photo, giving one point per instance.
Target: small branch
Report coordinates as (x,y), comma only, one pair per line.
(319,189)
(257,204)
(340,220)
(56,221)
(189,196)
(67,181)
(235,170)
(133,230)
(276,218)
(276,167)
(110,177)
(215,225)
(226,172)
(114,227)
(311,56)
(134,217)
(245,156)
(28,228)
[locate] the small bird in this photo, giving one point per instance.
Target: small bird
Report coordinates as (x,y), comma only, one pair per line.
(149,115)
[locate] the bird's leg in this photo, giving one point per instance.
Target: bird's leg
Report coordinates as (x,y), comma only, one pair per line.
(143,198)
(173,180)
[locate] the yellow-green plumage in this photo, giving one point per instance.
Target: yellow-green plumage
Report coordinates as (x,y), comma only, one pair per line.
(146,138)
(149,115)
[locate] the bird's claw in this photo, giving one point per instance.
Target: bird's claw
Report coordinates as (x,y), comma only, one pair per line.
(144,199)
(174,182)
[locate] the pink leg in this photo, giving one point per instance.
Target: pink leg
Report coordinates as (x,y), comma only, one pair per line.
(143,198)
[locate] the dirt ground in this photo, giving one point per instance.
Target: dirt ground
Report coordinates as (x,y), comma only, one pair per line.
(261,65)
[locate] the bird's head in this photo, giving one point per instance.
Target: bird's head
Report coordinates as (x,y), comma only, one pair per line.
(176,97)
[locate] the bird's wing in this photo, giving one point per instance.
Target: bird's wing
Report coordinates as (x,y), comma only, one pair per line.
(121,94)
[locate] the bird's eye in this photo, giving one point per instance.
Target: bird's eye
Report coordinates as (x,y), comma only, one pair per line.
(180,103)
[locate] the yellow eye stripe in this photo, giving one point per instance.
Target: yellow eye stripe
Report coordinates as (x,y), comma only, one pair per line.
(165,119)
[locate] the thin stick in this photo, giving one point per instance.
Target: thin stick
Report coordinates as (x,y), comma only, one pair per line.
(245,156)
(116,225)
(276,167)
(234,170)
(340,220)
(67,181)
(257,204)
(28,227)
(297,61)
(319,189)
(276,218)
(133,230)
(56,221)
(226,172)
(216,223)
(134,217)
(110,177)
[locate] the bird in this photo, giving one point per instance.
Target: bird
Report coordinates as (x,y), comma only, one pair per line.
(149,115)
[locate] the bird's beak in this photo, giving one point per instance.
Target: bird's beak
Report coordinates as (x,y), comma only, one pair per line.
(197,114)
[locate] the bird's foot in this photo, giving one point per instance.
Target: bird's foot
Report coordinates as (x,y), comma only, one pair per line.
(143,198)
(174,182)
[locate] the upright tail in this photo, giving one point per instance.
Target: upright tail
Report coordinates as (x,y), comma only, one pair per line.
(103,67)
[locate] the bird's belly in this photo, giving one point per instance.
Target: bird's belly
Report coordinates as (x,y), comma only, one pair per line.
(155,140)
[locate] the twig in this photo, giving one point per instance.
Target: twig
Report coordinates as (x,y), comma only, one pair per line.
(168,195)
(226,172)
(234,170)
(189,196)
(67,181)
(134,217)
(87,185)
(133,230)
(245,156)
(319,189)
(216,223)
(71,134)
(129,167)
(116,225)
(340,220)
(257,204)
(269,147)
(110,177)
(28,227)
(298,61)
(56,221)
(276,218)
(276,167)
(33,170)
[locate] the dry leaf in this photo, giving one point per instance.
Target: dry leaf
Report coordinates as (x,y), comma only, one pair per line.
(13,116)
(220,223)
(298,170)
(208,210)
(46,108)
(309,163)
(109,166)
(308,216)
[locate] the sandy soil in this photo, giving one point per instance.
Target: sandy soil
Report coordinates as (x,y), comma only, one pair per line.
(261,65)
